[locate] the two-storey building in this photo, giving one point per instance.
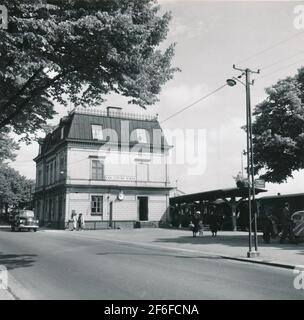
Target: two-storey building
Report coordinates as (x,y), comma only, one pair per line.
(108,165)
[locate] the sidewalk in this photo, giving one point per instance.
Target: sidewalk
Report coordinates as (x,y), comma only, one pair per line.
(5,295)
(228,244)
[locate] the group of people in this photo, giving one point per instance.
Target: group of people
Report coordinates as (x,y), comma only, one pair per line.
(197,227)
(78,222)
(282,226)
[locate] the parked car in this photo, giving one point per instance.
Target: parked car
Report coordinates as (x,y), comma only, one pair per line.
(298,224)
(25,220)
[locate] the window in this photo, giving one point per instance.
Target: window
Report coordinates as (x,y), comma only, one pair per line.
(97,132)
(47,174)
(39,182)
(141,135)
(96,205)
(61,166)
(51,173)
(62,133)
(97,170)
(55,170)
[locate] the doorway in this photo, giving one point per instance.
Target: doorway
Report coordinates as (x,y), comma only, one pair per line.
(143,208)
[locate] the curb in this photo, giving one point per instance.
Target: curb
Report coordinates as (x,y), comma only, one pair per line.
(277,264)
(263,262)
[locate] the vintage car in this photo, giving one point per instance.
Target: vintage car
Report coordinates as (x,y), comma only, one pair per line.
(298,224)
(24,220)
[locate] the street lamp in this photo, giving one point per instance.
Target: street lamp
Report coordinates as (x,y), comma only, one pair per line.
(250,170)
(231,82)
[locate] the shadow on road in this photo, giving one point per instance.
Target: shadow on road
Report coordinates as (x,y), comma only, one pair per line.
(161,255)
(13,261)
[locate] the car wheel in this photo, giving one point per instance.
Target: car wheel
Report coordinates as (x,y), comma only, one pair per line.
(35,230)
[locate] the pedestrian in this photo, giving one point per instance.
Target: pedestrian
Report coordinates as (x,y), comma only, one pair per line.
(200,228)
(267,227)
(196,220)
(287,230)
(191,227)
(74,218)
(275,222)
(213,223)
(81,223)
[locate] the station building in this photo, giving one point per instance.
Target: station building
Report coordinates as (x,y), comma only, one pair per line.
(109,165)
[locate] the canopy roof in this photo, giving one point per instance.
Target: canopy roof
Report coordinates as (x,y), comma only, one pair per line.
(214,195)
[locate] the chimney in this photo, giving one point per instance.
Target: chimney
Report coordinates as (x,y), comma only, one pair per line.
(116,109)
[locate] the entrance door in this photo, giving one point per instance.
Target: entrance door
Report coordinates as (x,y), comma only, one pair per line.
(143,208)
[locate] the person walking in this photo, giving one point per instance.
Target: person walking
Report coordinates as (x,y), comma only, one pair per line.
(213,223)
(267,227)
(74,219)
(287,231)
(81,223)
(200,228)
(196,223)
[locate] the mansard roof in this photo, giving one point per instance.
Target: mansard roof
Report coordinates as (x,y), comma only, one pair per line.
(77,127)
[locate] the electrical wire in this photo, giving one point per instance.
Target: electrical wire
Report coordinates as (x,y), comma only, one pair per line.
(277,70)
(281,60)
(271,47)
(193,103)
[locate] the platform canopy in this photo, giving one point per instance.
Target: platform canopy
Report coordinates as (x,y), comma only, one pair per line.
(214,195)
(229,196)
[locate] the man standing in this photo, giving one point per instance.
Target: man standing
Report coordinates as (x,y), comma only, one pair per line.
(286,224)
(81,223)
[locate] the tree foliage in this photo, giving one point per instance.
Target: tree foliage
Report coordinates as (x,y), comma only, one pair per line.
(278,129)
(15,189)
(78,51)
(7,147)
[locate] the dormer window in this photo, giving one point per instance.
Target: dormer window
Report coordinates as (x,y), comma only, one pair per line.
(141,135)
(97,133)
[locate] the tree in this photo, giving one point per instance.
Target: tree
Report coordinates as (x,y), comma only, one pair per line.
(278,129)
(15,189)
(78,51)
(7,147)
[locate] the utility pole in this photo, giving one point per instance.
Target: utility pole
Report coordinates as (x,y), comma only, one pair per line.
(250,165)
(243,153)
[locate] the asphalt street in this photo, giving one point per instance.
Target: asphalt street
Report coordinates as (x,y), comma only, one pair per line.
(77,265)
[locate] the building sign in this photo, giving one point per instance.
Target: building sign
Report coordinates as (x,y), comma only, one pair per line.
(119,178)
(259,183)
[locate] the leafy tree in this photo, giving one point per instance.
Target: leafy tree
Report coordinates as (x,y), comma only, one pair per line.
(15,189)
(7,147)
(78,51)
(278,129)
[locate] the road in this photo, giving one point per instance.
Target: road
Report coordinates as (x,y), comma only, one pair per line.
(79,265)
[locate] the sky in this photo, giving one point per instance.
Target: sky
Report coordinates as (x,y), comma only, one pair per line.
(210,37)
